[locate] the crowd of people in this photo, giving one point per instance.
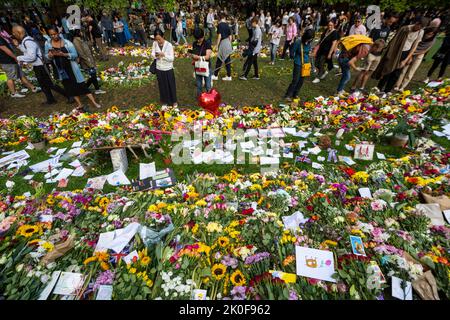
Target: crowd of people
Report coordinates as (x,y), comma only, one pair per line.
(58,49)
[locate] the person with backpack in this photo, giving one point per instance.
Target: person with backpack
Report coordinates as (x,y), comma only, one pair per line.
(64,54)
(9,64)
(32,54)
(353,48)
(86,61)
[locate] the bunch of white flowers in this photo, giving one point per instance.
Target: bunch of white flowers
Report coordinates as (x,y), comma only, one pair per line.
(174,288)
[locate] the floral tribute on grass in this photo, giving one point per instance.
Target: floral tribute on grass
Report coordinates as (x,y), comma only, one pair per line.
(235,235)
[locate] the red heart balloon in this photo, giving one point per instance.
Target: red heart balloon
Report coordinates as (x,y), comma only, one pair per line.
(210,101)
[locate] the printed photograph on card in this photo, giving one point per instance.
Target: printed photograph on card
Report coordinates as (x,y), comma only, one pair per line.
(364,151)
(357,246)
(316,264)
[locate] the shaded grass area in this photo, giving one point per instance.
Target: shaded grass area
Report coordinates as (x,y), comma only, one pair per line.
(269,90)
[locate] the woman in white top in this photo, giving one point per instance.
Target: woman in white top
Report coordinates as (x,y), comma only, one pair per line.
(284,21)
(262,20)
(118,29)
(179,32)
(268,22)
(162,51)
(276,31)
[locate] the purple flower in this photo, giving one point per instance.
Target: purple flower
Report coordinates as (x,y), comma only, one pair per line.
(257,257)
(106,277)
(238,292)
(230,261)
(292,295)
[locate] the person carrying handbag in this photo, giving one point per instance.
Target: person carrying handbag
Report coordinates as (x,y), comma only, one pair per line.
(201,54)
(86,61)
(302,66)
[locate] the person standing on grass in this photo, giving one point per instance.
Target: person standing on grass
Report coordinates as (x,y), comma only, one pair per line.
(248,24)
(275,32)
(291,34)
(179,32)
(262,21)
(138,26)
(285,21)
(95,37)
(33,55)
(118,30)
(301,49)
(317,21)
(358,28)
(224,48)
(428,40)
(108,27)
(201,49)
(64,54)
(86,60)
(162,51)
(9,64)
(210,23)
(441,57)
(397,54)
(327,47)
(268,24)
(255,47)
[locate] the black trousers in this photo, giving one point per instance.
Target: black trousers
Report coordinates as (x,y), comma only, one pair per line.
(250,34)
(251,60)
(167,86)
(297,82)
(142,38)
(46,83)
(92,79)
(174,36)
(227,66)
(287,45)
(387,83)
(443,63)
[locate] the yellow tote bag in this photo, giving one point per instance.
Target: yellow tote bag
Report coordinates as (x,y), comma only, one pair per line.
(306,67)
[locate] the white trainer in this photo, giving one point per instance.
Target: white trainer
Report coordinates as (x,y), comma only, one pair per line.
(215,78)
(226,78)
(324,75)
(316,80)
(17,95)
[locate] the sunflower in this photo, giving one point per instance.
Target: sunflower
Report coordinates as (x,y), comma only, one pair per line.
(27,230)
(218,271)
(361,129)
(145,261)
(104,202)
(223,241)
(237,278)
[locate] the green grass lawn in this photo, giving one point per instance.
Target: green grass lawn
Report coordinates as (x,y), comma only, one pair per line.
(269,90)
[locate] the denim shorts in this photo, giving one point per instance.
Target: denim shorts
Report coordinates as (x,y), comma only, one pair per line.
(13,71)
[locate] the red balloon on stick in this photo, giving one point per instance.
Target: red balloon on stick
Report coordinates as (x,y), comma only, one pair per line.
(210,101)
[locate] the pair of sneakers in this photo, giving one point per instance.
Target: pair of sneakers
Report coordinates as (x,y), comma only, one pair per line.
(19,95)
(216,78)
(245,78)
(317,80)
